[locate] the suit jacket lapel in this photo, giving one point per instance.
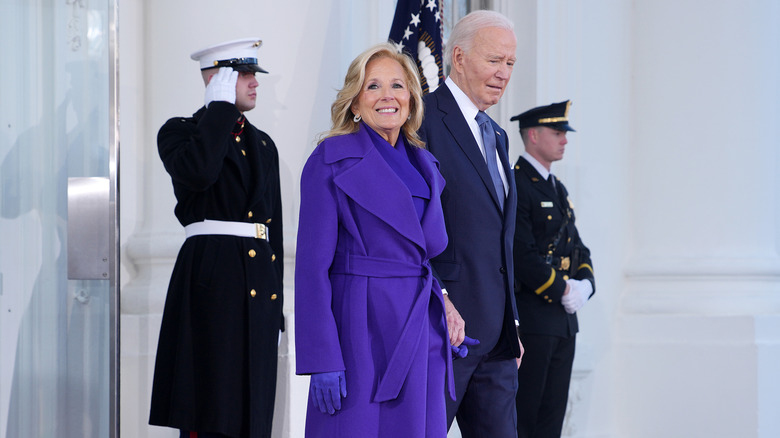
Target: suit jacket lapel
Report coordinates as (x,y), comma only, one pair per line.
(502,147)
(459,128)
(373,185)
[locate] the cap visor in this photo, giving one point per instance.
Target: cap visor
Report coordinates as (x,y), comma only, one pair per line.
(253,68)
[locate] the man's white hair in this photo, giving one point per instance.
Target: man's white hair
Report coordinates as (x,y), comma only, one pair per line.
(467,27)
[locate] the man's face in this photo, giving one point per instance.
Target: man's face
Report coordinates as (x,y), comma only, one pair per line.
(547,145)
(246,91)
(483,73)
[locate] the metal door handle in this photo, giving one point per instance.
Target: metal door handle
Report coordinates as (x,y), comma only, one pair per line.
(88,226)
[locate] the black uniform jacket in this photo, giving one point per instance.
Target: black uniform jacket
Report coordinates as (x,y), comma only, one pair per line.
(540,286)
(216,359)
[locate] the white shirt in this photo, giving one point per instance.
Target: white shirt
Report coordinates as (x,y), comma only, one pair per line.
(469,111)
(537,165)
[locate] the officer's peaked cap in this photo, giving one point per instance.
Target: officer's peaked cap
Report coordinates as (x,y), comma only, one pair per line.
(555,116)
(239,54)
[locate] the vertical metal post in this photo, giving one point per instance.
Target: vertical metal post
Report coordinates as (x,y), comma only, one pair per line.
(113,164)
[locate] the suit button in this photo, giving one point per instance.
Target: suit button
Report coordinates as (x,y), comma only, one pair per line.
(252,293)
(273,257)
(502,270)
(549,217)
(565,277)
(250,214)
(273,297)
(252,253)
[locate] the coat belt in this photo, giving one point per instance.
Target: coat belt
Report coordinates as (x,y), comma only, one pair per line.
(240,229)
(391,382)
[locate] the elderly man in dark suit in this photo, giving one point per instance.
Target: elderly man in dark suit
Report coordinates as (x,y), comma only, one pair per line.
(479,204)
(555,273)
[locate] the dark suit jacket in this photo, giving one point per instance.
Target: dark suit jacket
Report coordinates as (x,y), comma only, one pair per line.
(540,214)
(476,267)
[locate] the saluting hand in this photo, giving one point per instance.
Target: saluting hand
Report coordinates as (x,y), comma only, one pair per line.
(222,86)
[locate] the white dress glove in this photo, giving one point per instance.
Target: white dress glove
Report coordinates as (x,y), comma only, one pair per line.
(222,86)
(579,292)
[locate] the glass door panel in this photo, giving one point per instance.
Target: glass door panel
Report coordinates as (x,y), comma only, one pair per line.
(57,332)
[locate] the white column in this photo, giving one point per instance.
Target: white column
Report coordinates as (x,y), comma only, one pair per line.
(702,291)
(579,51)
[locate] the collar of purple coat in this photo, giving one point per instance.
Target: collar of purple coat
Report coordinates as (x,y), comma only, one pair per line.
(367,179)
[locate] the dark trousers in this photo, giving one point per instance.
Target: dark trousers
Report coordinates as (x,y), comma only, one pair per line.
(485,397)
(543,385)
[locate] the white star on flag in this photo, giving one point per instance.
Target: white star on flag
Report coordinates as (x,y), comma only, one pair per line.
(416,31)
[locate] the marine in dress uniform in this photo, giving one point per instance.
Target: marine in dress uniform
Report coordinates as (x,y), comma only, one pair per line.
(554,272)
(215,373)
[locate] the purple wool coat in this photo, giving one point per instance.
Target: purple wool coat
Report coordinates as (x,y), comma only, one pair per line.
(365,299)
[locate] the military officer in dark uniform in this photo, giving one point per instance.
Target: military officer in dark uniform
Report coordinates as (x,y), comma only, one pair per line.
(215,374)
(554,272)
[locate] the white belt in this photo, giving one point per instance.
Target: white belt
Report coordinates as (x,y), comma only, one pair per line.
(240,229)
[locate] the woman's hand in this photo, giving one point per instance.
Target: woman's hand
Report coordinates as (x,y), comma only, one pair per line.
(328,388)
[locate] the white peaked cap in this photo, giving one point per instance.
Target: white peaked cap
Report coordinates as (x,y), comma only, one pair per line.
(239,54)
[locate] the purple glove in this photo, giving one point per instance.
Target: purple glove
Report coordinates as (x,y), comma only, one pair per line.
(327,390)
(462,350)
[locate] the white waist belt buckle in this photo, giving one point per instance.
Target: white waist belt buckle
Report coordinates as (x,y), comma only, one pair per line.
(240,229)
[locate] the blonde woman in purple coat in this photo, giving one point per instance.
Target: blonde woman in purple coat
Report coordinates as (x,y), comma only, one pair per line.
(370,324)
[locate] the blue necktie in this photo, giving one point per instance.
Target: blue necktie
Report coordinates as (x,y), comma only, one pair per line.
(489,139)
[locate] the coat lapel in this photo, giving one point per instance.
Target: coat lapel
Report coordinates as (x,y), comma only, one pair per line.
(373,185)
(260,163)
(430,172)
(459,128)
(235,157)
(539,183)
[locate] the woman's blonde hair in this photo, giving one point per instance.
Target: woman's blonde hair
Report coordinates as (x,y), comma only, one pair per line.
(341,111)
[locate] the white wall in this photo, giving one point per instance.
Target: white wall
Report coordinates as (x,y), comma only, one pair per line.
(702,293)
(672,171)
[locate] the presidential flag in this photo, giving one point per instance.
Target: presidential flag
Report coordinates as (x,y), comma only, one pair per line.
(416,30)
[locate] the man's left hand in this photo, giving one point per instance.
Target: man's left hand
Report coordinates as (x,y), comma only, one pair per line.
(522,352)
